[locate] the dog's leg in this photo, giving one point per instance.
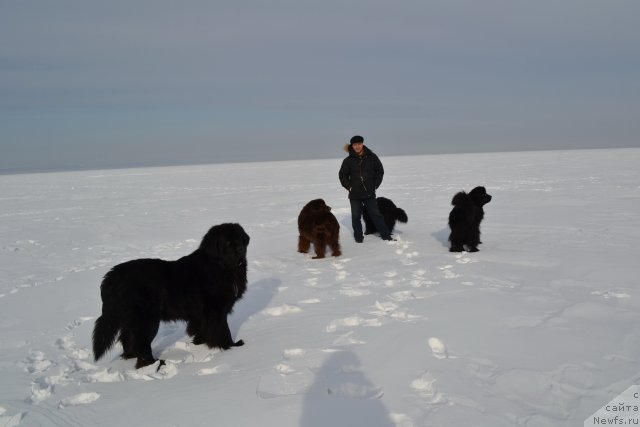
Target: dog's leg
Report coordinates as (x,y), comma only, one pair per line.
(335,248)
(127,344)
(474,240)
(219,334)
(303,245)
(456,242)
(194,329)
(319,251)
(144,330)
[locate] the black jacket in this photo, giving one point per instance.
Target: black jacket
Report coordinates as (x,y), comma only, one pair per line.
(361,175)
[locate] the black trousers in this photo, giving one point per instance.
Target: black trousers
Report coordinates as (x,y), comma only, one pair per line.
(357,208)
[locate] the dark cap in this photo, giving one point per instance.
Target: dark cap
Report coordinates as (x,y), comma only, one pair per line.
(356,140)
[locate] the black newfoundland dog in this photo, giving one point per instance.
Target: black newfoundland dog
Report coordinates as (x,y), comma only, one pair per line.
(465,219)
(200,288)
(389,211)
(317,225)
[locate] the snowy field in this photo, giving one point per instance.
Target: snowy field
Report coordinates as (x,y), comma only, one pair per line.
(539,328)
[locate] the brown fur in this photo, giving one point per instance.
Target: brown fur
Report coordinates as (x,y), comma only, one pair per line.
(317,225)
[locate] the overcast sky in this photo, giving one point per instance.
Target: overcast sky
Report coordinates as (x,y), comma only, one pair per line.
(90,84)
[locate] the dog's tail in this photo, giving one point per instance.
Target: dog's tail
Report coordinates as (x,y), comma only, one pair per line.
(105,333)
(401,215)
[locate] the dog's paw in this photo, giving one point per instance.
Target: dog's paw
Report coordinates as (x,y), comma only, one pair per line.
(197,340)
(145,361)
(238,343)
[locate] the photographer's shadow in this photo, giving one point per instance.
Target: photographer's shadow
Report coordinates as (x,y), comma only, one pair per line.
(343,396)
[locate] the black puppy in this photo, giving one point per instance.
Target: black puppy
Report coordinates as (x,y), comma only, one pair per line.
(389,211)
(465,219)
(200,288)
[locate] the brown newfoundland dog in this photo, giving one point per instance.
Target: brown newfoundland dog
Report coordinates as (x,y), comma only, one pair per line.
(465,219)
(317,225)
(200,288)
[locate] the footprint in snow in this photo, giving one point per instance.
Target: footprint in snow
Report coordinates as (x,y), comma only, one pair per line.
(220,369)
(447,273)
(350,291)
(418,280)
(419,273)
(310,301)
(403,249)
(340,264)
(612,294)
(426,389)
(77,323)
(351,322)
(356,391)
(462,259)
(390,275)
(37,362)
(10,420)
(402,296)
(155,371)
(79,399)
(293,353)
(401,420)
(294,376)
(40,392)
(282,310)
(438,348)
(392,311)
(348,340)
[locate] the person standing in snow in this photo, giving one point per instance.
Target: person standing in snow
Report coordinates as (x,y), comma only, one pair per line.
(361,175)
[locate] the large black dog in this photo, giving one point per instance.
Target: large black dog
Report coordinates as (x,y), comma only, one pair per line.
(465,219)
(200,288)
(389,211)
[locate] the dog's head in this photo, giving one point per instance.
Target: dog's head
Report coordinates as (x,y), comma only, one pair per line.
(479,196)
(317,205)
(227,241)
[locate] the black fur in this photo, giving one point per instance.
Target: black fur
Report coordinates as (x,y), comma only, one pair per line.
(389,211)
(465,219)
(200,288)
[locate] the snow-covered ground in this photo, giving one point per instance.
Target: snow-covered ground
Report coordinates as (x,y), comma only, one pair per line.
(539,328)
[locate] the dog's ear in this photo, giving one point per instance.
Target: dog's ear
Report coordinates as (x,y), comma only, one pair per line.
(459,199)
(478,191)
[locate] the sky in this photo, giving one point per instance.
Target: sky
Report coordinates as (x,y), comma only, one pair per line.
(87,85)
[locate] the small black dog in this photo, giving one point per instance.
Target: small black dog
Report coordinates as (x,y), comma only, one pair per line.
(389,211)
(200,288)
(465,218)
